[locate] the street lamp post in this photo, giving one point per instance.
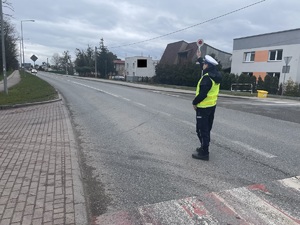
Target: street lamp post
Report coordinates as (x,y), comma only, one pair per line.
(3,50)
(23,61)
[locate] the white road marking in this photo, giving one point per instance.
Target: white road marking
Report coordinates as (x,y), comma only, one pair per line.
(173,95)
(293,182)
(163,113)
(241,205)
(188,123)
(248,203)
(248,147)
(137,103)
(243,145)
(126,99)
(111,94)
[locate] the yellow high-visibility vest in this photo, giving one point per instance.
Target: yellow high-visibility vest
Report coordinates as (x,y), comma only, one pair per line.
(212,95)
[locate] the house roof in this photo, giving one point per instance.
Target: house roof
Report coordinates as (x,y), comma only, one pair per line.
(119,62)
(170,54)
(181,51)
(272,33)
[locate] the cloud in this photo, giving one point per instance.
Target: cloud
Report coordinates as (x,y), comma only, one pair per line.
(67,25)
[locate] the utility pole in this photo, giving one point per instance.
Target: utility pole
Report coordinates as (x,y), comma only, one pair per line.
(20,53)
(96,73)
(23,39)
(3,50)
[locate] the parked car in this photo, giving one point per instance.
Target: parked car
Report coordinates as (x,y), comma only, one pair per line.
(34,71)
(118,78)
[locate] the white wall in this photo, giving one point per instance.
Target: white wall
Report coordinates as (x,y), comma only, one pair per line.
(238,66)
(132,69)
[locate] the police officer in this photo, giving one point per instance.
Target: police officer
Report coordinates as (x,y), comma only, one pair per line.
(205,103)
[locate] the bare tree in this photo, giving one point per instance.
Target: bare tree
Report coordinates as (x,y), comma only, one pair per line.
(55,60)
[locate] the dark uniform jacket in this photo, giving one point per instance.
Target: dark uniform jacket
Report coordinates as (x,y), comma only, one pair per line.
(206,82)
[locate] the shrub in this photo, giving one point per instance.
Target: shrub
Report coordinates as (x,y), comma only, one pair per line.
(292,88)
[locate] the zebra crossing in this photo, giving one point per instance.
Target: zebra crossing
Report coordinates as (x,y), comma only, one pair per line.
(276,203)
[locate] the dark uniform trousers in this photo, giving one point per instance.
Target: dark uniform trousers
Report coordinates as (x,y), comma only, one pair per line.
(205,119)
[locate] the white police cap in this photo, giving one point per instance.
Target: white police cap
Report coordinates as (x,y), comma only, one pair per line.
(210,60)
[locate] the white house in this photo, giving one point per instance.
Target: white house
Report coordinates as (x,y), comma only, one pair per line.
(268,54)
(138,67)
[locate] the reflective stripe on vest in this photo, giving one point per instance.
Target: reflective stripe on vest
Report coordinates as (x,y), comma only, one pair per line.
(212,95)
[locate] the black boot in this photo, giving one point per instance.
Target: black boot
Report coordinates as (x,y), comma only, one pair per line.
(202,155)
(199,149)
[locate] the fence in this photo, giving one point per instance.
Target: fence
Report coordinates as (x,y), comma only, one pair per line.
(244,87)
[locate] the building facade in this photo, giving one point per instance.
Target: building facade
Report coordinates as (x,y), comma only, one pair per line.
(120,67)
(139,67)
(275,54)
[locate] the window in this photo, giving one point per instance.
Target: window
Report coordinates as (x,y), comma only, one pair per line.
(182,57)
(250,74)
(275,55)
(249,56)
(273,74)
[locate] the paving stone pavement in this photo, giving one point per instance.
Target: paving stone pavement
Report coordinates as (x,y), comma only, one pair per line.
(39,171)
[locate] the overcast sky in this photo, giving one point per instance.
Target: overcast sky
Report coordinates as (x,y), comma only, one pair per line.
(62,25)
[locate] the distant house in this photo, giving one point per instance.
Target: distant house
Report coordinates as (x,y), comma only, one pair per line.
(266,54)
(139,67)
(26,66)
(119,67)
(181,52)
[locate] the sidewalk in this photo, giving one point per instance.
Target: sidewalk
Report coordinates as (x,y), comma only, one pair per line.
(12,80)
(39,172)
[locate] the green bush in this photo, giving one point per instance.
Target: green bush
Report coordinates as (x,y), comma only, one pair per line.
(183,75)
(292,88)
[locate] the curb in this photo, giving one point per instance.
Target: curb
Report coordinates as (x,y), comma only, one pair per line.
(81,214)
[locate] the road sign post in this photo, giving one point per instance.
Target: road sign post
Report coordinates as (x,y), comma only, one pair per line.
(285,70)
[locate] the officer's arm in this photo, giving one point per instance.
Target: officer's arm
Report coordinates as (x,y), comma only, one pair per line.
(205,86)
(200,61)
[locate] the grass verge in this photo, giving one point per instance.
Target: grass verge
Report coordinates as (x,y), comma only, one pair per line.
(30,89)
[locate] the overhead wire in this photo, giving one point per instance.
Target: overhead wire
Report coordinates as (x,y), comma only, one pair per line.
(195,25)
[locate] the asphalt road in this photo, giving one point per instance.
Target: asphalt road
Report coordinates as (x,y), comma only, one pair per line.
(135,144)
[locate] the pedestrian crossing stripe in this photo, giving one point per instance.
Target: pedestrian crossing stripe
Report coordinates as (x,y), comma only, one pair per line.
(276,203)
(291,183)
